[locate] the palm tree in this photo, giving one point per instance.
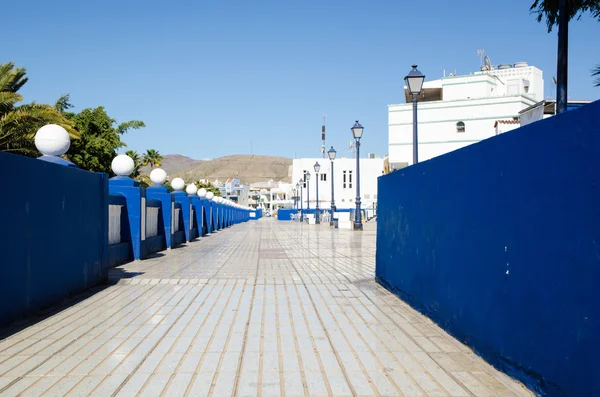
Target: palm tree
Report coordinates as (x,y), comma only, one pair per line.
(136,160)
(152,158)
(560,12)
(18,124)
(596,72)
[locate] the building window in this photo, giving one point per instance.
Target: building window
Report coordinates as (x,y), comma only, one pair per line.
(323,177)
(344,179)
(343,201)
(350,179)
(460,127)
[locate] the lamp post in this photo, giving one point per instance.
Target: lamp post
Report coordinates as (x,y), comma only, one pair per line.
(357,131)
(331,153)
(317,169)
(296,191)
(301,205)
(307,175)
(414,82)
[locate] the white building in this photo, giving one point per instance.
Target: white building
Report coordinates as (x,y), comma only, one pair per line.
(235,191)
(457,111)
(344,181)
(270,196)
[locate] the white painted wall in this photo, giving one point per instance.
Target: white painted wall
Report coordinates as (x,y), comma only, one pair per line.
(477,100)
(345,194)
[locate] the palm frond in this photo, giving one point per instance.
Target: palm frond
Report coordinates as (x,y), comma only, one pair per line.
(11,79)
(596,72)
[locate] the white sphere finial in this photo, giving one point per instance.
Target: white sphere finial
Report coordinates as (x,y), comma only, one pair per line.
(122,165)
(177,184)
(158,176)
(210,195)
(191,189)
(52,140)
(202,193)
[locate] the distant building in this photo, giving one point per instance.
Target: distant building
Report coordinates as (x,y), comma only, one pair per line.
(270,196)
(233,190)
(456,111)
(344,181)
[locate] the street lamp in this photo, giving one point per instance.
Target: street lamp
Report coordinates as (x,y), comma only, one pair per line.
(317,169)
(357,131)
(331,153)
(300,182)
(414,82)
(307,176)
(296,191)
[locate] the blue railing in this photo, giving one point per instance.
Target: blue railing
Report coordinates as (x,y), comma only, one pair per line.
(63,241)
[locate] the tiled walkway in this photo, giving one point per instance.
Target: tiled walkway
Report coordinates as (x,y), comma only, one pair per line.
(261,309)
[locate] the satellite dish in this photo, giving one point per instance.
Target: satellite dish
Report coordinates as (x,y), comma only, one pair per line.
(488,64)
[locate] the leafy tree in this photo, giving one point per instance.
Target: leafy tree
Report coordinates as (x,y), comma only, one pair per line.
(209,187)
(18,124)
(100,138)
(152,158)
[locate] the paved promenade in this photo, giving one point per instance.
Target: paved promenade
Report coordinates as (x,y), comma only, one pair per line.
(264,308)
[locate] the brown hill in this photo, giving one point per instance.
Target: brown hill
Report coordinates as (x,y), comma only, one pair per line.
(247,168)
(173,163)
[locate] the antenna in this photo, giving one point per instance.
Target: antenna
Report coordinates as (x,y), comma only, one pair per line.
(323,135)
(554,79)
(480,53)
(488,64)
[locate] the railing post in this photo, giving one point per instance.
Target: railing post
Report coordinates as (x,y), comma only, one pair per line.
(198,214)
(184,200)
(160,193)
(128,188)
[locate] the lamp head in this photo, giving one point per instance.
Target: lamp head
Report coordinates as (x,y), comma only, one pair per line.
(414,81)
(357,130)
(331,153)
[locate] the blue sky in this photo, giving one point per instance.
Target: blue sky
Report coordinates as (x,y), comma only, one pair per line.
(212,78)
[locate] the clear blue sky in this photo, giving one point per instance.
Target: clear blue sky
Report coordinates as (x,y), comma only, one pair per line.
(211,78)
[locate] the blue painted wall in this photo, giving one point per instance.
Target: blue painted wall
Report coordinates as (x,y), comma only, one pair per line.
(54,234)
(499,243)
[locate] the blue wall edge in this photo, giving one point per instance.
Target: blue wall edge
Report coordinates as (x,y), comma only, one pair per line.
(531,379)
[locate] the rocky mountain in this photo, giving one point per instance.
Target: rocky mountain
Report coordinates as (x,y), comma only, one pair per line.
(247,168)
